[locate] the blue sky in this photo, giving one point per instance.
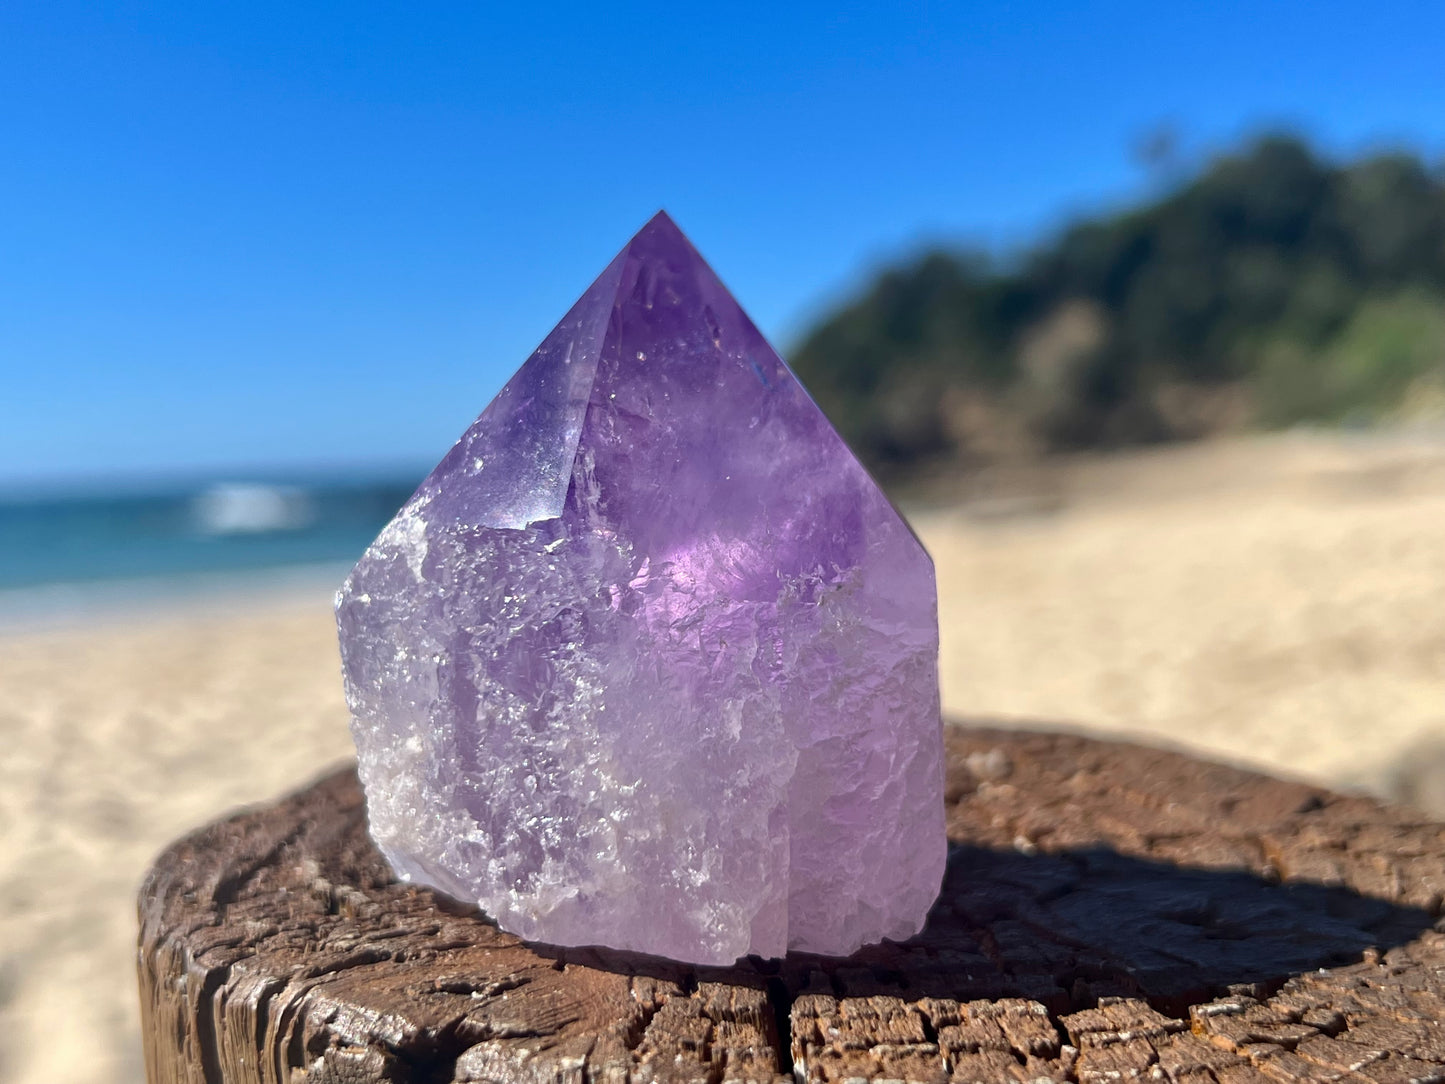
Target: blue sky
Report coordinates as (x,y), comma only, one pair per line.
(236,236)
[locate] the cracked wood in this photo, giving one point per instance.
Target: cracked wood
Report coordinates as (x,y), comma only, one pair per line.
(1110,913)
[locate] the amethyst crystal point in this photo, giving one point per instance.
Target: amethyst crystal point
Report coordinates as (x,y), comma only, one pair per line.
(648,660)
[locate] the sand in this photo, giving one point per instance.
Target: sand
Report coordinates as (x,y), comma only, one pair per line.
(115,742)
(1275,602)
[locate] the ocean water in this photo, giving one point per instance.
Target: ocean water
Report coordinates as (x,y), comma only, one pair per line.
(68,552)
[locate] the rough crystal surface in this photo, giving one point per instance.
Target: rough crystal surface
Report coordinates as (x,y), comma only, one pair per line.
(648,660)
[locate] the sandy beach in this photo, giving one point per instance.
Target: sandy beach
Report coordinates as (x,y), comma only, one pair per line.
(1272,601)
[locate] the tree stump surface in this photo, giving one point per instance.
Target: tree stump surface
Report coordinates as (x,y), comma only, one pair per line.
(1110,913)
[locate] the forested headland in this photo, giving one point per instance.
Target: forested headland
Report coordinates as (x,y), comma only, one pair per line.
(1268,288)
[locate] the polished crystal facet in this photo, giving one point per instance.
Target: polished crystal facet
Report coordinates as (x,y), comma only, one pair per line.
(648,660)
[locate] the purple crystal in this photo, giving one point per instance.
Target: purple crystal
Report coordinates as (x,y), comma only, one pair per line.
(648,660)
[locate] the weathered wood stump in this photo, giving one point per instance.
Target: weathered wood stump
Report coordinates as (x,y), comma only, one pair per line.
(1110,912)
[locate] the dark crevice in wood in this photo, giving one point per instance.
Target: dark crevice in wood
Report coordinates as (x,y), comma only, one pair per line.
(291,1039)
(264,1000)
(930,1032)
(436,1058)
(637,1027)
(205,1017)
(780,1000)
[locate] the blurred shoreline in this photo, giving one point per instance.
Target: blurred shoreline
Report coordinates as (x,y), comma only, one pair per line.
(182,538)
(123,602)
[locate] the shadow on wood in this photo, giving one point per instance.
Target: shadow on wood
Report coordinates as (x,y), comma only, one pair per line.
(1108,910)
(1070,929)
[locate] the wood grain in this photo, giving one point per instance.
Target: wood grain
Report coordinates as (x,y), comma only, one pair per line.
(1110,913)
